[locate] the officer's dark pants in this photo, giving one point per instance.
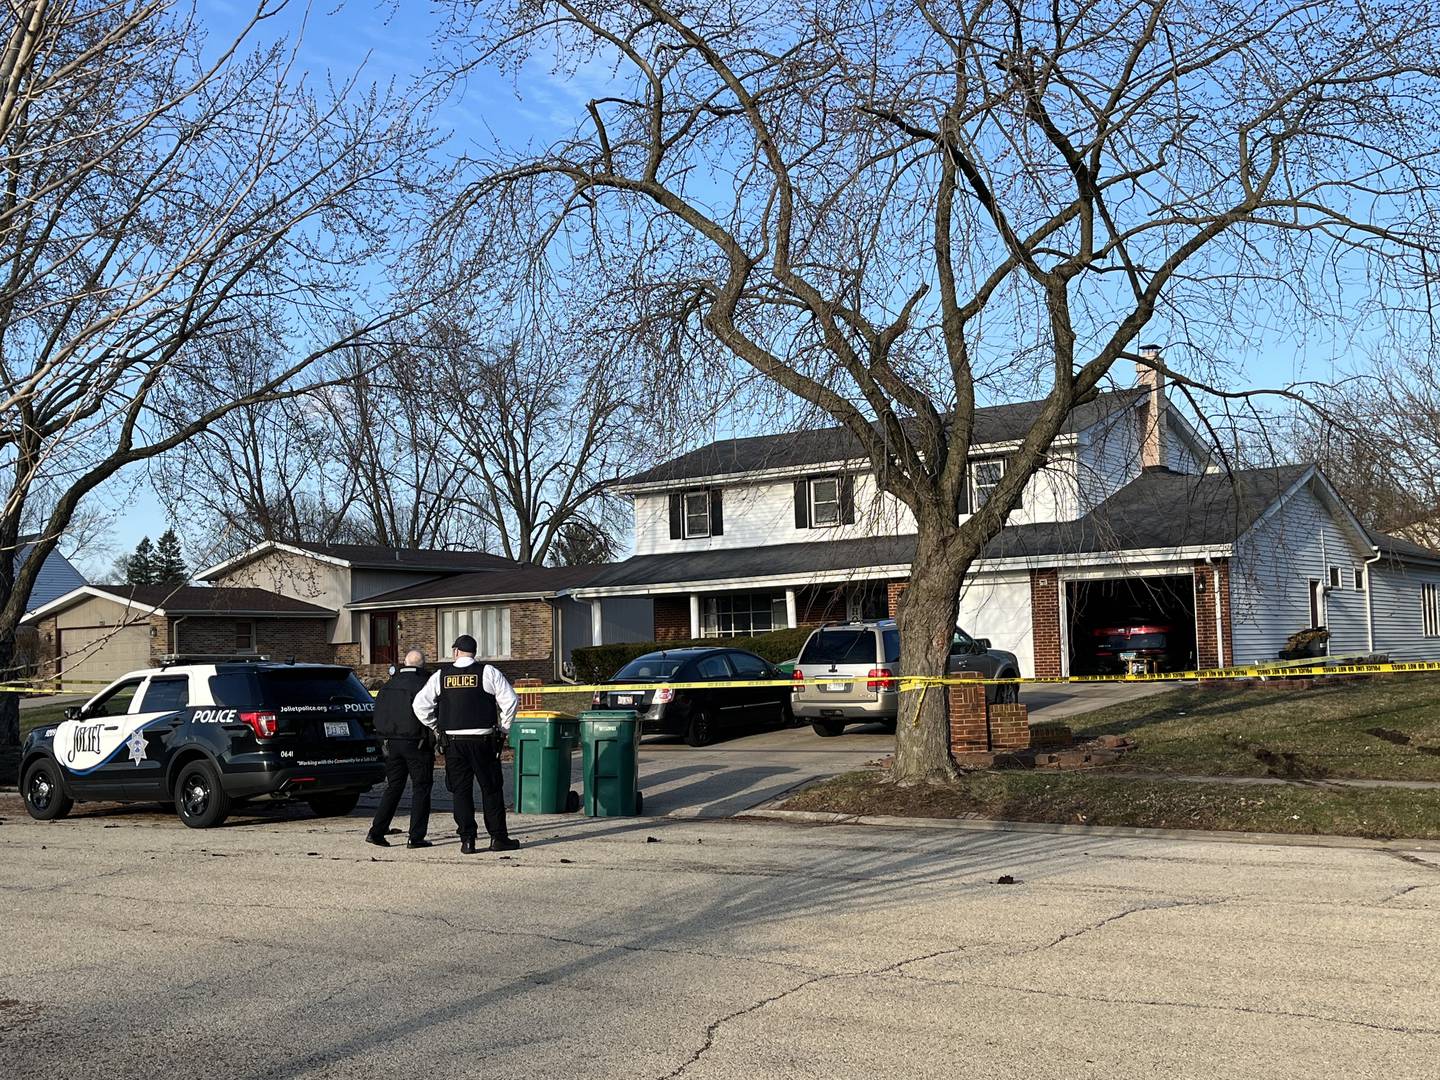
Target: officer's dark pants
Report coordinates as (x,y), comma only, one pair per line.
(471,758)
(406,759)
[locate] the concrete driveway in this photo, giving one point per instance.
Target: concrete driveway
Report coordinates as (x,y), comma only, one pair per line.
(284,947)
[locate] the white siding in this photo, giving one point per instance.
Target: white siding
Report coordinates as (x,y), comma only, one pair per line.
(1395,594)
(1270,577)
(1108,458)
(764,513)
(998,607)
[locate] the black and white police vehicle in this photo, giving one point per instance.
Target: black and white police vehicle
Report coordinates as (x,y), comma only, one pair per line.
(207,736)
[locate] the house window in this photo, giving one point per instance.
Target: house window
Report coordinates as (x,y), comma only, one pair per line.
(984,478)
(488,625)
(1359,579)
(697,514)
(244,636)
(743,614)
(1430,610)
(825,501)
(1334,577)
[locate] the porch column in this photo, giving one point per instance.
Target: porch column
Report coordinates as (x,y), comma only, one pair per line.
(694,615)
(597,622)
(792,619)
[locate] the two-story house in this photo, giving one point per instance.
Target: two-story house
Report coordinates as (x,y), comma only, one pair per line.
(1127,524)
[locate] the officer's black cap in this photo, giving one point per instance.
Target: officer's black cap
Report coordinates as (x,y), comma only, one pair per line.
(465,643)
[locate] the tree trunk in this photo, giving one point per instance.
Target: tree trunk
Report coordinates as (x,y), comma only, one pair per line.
(9,703)
(927,623)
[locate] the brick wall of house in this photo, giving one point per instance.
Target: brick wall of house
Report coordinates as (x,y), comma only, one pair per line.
(672,618)
(307,640)
(416,628)
(893,591)
(531,645)
(1045,620)
(45,647)
(821,605)
(1207,655)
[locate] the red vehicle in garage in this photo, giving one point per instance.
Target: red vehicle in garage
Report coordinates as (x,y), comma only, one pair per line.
(1149,643)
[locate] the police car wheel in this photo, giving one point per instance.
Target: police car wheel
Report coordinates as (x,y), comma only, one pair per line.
(336,805)
(199,799)
(45,798)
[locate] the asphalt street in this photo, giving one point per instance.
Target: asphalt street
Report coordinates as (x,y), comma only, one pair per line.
(283,946)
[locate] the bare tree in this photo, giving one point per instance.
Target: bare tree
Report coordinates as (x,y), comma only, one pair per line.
(875,204)
(161,197)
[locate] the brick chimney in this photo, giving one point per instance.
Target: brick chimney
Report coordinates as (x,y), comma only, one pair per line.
(1153,429)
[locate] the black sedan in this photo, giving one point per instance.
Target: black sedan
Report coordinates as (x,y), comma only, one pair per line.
(699,714)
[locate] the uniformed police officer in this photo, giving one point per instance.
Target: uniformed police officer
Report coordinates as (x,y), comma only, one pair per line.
(409,752)
(471,705)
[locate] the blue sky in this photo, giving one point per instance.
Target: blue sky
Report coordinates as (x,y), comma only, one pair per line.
(393,41)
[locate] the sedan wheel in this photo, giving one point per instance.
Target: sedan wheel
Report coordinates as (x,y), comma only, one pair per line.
(699,732)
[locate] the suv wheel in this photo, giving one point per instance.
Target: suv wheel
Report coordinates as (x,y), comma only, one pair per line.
(828,729)
(699,732)
(45,798)
(199,799)
(1007,693)
(335,804)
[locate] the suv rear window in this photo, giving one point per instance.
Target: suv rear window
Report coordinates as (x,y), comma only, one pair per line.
(840,647)
(274,687)
(648,667)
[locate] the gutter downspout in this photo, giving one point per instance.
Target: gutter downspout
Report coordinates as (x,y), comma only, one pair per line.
(1370,601)
(174,631)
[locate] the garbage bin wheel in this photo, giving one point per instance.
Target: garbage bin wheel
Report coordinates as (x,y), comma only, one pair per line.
(572,802)
(639,802)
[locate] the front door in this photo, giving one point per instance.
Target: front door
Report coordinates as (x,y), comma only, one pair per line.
(382,638)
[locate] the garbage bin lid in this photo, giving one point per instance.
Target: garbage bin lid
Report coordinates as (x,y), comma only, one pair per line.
(541,714)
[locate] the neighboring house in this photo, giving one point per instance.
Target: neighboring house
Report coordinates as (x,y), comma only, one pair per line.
(337,576)
(57,576)
(97,633)
(1124,524)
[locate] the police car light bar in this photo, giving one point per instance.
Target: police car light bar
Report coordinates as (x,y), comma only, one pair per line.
(171,659)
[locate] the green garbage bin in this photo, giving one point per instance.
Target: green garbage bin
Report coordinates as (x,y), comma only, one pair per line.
(610,752)
(542,742)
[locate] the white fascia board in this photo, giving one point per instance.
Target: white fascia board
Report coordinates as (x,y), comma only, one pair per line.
(787,472)
(74,596)
(450,601)
(264,548)
(1121,560)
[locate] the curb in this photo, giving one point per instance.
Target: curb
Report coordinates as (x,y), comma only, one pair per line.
(989,825)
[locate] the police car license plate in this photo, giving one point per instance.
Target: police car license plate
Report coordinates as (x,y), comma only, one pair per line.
(837,686)
(625,699)
(337,729)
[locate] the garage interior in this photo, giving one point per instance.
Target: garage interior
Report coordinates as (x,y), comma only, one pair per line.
(1119,604)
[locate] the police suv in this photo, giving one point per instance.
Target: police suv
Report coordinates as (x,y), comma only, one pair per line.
(206,736)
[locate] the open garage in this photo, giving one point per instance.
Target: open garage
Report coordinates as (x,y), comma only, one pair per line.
(1143,622)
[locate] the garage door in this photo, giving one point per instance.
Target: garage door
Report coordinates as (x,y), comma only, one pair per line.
(103,653)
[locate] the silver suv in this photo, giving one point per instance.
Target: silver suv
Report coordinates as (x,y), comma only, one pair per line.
(869,654)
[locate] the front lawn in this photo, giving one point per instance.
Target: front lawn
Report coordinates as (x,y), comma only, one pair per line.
(1383,728)
(1090,798)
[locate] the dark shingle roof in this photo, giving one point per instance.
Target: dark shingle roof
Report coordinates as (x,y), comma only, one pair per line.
(1401,548)
(1158,509)
(993,424)
(377,557)
(522,581)
(223,600)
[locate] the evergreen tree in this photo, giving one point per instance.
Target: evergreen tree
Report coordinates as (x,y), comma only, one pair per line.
(169,566)
(140,567)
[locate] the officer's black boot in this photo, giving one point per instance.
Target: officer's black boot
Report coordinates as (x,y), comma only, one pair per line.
(467,845)
(504,843)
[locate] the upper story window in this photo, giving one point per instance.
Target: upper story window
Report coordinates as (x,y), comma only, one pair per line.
(822,502)
(984,479)
(696,514)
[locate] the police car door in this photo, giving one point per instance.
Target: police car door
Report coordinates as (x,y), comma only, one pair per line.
(162,701)
(91,748)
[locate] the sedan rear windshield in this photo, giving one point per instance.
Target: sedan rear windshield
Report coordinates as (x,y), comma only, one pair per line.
(648,667)
(273,688)
(840,647)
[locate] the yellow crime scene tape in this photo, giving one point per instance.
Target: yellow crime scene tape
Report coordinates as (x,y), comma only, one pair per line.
(906,683)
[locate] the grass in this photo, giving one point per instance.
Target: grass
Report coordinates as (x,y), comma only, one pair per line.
(1384,728)
(1095,799)
(41,716)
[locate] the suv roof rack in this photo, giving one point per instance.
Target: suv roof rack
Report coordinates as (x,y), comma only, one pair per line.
(171,659)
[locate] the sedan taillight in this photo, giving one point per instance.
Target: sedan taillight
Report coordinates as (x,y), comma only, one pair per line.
(880,678)
(664,696)
(263,724)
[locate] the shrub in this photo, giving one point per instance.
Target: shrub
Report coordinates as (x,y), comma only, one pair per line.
(596,663)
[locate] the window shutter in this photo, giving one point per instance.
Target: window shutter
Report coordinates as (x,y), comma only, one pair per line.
(965,489)
(802,503)
(677,516)
(847,499)
(717,515)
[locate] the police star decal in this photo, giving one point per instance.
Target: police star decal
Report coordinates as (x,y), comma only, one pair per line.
(136,744)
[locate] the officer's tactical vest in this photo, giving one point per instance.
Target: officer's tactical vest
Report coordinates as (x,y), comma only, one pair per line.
(464,703)
(395,705)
